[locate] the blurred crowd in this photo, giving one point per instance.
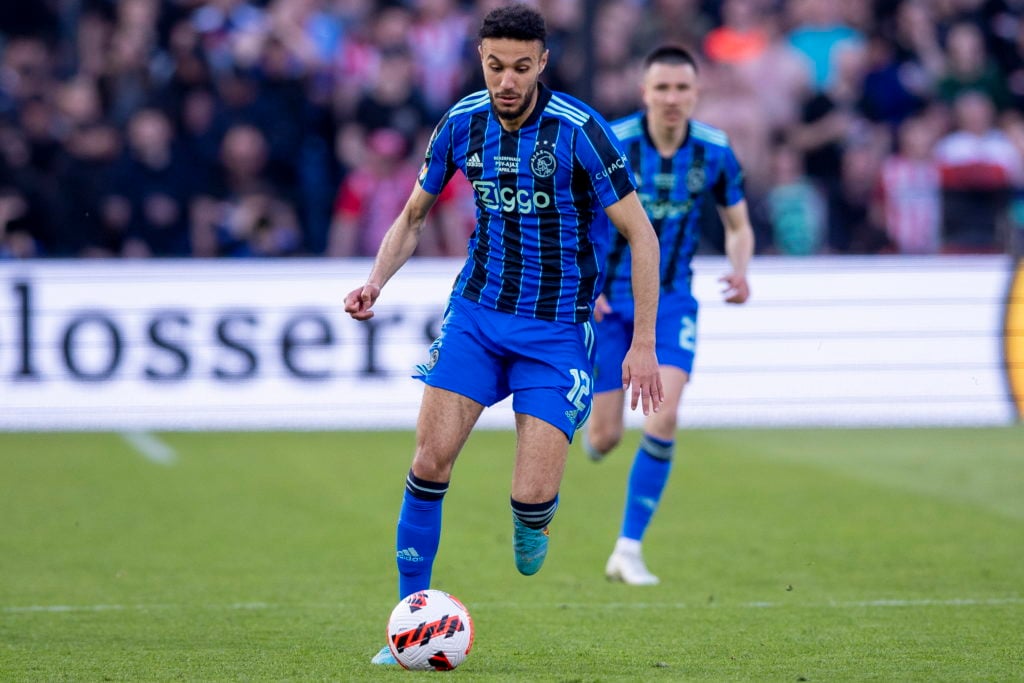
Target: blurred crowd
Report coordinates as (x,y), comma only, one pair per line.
(244,128)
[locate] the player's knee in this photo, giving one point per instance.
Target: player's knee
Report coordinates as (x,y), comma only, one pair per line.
(430,466)
(662,424)
(604,439)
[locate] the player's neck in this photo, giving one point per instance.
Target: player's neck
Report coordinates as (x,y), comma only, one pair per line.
(668,139)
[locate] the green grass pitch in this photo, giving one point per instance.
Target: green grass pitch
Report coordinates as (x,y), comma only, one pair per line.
(785,555)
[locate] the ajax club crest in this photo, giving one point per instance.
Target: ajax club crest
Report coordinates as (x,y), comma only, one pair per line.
(695,179)
(543,162)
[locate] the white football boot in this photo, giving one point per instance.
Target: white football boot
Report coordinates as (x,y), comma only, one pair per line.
(626,564)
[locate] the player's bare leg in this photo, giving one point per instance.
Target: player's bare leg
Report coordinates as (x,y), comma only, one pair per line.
(541,452)
(605,426)
(663,423)
(445,422)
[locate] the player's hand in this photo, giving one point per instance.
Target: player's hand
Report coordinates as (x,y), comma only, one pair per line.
(736,290)
(360,300)
(640,371)
(601,308)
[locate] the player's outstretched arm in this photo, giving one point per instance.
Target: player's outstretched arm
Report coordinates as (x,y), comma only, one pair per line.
(398,245)
(739,247)
(640,367)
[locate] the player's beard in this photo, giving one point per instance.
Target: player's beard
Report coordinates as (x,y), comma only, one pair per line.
(512,115)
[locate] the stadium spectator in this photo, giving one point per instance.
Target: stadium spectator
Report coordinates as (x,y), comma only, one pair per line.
(151,191)
(1007,40)
(245,214)
(92,146)
(230,31)
(358,61)
(819,32)
(372,195)
(731,102)
(777,74)
(679,22)
(677,160)
(26,71)
(438,37)
(914,35)
(830,118)
(741,38)
(16,238)
(796,209)
(851,218)
(393,100)
(909,197)
(980,167)
(518,321)
(968,67)
(27,196)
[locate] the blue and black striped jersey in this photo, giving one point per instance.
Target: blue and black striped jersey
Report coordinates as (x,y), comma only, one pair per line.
(536,250)
(671,191)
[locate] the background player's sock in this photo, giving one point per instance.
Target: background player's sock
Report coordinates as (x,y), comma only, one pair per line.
(647,480)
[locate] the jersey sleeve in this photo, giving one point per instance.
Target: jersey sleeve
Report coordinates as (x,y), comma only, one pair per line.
(728,188)
(438,163)
(599,153)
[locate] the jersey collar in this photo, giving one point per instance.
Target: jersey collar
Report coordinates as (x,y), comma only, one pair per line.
(650,140)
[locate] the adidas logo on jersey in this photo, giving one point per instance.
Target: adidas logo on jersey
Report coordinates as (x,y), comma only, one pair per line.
(409,555)
(474,161)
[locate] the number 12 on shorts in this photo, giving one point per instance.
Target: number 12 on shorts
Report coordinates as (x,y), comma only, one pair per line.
(580,388)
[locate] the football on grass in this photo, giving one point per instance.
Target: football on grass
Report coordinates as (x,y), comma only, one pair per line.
(430,630)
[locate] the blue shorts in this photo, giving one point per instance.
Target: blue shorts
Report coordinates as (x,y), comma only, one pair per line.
(486,355)
(676,340)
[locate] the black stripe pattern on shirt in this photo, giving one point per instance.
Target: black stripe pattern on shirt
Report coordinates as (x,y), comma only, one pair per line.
(477,144)
(511,225)
(696,167)
(549,228)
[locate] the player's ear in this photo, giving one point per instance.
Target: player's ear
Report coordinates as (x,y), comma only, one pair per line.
(543,61)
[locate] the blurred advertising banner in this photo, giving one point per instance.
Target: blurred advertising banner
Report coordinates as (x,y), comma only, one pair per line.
(169,345)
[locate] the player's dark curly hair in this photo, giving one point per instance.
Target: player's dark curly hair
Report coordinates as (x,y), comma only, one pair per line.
(516,21)
(670,54)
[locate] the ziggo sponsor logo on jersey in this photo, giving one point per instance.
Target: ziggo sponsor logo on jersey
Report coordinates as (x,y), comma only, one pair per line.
(509,199)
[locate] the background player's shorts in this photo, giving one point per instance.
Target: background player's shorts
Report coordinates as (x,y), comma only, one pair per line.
(486,355)
(676,340)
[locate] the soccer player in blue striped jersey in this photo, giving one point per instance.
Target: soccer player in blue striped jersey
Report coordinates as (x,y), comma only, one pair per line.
(543,165)
(676,160)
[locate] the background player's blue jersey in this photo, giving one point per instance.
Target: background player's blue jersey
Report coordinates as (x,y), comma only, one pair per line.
(671,190)
(536,250)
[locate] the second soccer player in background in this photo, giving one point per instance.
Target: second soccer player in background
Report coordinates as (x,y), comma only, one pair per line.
(676,161)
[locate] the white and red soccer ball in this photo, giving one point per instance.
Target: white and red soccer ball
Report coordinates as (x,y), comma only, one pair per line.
(430,630)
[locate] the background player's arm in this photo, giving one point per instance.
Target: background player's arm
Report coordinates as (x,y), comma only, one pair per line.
(640,368)
(739,247)
(398,245)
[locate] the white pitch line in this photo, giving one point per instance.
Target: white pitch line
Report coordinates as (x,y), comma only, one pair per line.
(151,448)
(923,602)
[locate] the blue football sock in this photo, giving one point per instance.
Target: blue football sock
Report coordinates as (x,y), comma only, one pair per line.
(647,480)
(419,533)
